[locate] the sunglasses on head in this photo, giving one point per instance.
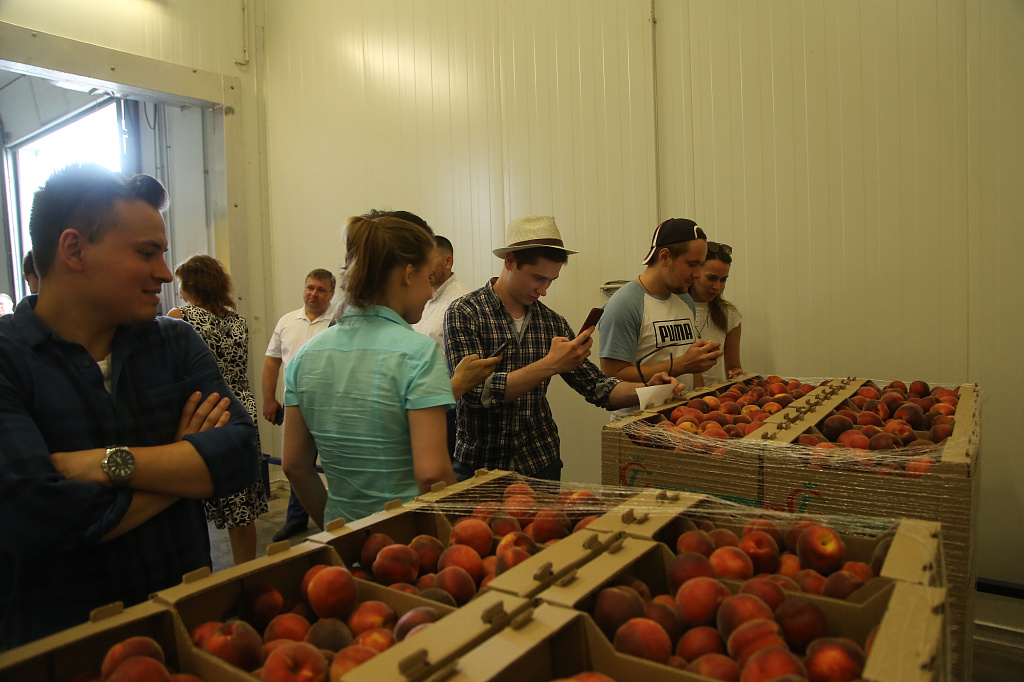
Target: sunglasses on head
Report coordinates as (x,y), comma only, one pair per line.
(716,247)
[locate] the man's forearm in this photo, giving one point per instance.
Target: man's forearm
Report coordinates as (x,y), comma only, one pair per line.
(271,370)
(522,381)
(144,506)
(175,469)
(627,371)
(624,394)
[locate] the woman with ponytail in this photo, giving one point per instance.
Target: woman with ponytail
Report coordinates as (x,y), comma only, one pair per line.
(370,394)
(716,318)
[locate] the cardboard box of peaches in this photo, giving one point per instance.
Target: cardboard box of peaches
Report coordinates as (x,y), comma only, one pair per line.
(846,446)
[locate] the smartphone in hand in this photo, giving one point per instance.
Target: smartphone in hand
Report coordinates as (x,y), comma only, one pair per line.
(592,318)
(279,416)
(500,349)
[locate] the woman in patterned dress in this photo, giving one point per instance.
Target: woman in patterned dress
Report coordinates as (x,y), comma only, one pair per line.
(205,286)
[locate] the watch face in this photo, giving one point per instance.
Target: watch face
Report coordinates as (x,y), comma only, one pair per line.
(120,464)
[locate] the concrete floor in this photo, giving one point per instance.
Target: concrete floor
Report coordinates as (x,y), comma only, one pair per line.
(997,658)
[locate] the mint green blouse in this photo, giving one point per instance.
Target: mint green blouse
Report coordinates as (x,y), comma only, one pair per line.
(354,383)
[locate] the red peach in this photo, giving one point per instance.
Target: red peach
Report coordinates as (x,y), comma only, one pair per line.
(200,633)
(688,565)
(716,667)
(732,562)
(457,582)
(259,604)
(400,563)
(371,614)
(139,668)
(789,564)
(753,636)
(859,569)
(698,541)
(238,644)
(834,659)
(286,626)
(698,641)
(502,524)
(550,524)
(698,600)
(762,550)
(616,605)
(723,537)
(667,617)
(379,639)
(841,585)
(371,546)
(128,648)
(802,621)
(413,618)
(522,508)
(519,489)
(466,558)
(429,550)
(329,634)
(771,663)
(809,580)
(738,609)
(333,593)
(768,591)
(821,548)
(296,661)
(644,638)
(348,658)
(475,534)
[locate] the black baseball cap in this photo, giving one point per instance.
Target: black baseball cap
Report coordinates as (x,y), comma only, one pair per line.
(673,231)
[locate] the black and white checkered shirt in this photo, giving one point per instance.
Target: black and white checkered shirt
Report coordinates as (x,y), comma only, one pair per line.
(518,436)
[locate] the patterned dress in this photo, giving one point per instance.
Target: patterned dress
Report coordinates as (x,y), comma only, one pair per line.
(228,338)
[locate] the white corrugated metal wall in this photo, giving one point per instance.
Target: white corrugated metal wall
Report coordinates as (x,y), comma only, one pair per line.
(864,158)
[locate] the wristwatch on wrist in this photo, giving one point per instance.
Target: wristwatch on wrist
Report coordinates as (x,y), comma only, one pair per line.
(119,465)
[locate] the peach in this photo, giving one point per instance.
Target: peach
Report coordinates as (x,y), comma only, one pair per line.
(333,593)
(698,541)
(259,604)
(401,563)
(644,638)
(771,663)
(940,432)
(853,438)
(309,575)
(869,392)
(713,402)
(406,587)
(834,659)
(768,591)
(751,637)
(859,569)
(835,425)
(379,639)
(371,546)
(520,540)
(795,529)
(550,524)
(424,581)
(898,385)
(238,643)
(911,414)
(473,533)
(944,409)
(772,406)
(613,606)
(821,548)
(785,582)
(920,388)
(723,537)
(810,581)
(519,489)
(884,441)
(802,621)
(667,617)
(901,430)
(718,417)
(296,661)
(689,565)
(841,585)
(371,614)
(349,658)
(286,626)
(330,634)
(522,508)
(438,595)
(128,648)
(485,510)
(414,617)
(699,405)
(866,418)
(738,609)
(508,558)
(457,582)
(464,557)
(138,668)
(730,408)
(640,587)
(762,550)
(584,522)
(716,667)
(677,662)
(502,524)
(789,564)
(699,599)
(429,550)
(201,632)
(698,641)
(732,562)
(859,401)
(878,408)
(919,466)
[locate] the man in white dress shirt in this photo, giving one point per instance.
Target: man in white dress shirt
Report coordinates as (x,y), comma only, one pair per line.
(446,288)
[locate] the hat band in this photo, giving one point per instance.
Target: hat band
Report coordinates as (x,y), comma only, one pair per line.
(537,242)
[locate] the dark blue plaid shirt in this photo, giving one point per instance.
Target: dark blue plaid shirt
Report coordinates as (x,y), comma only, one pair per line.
(53,567)
(518,436)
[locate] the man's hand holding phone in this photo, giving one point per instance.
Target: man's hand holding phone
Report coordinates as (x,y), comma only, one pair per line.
(592,318)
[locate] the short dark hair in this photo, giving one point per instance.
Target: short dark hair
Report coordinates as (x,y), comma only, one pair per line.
(407,216)
(675,250)
(443,244)
(532,255)
(322,274)
(81,197)
(28,265)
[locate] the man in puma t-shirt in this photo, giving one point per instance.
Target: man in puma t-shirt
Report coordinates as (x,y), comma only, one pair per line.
(649,321)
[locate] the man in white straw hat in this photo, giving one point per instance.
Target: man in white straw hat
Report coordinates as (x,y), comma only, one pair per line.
(506,422)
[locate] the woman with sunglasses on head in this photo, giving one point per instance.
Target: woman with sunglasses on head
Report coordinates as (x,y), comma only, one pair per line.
(716,318)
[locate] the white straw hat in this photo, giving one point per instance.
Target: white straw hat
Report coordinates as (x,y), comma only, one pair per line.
(532,231)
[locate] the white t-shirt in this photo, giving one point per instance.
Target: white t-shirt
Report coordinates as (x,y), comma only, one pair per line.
(706,329)
(432,322)
(635,324)
(293,331)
